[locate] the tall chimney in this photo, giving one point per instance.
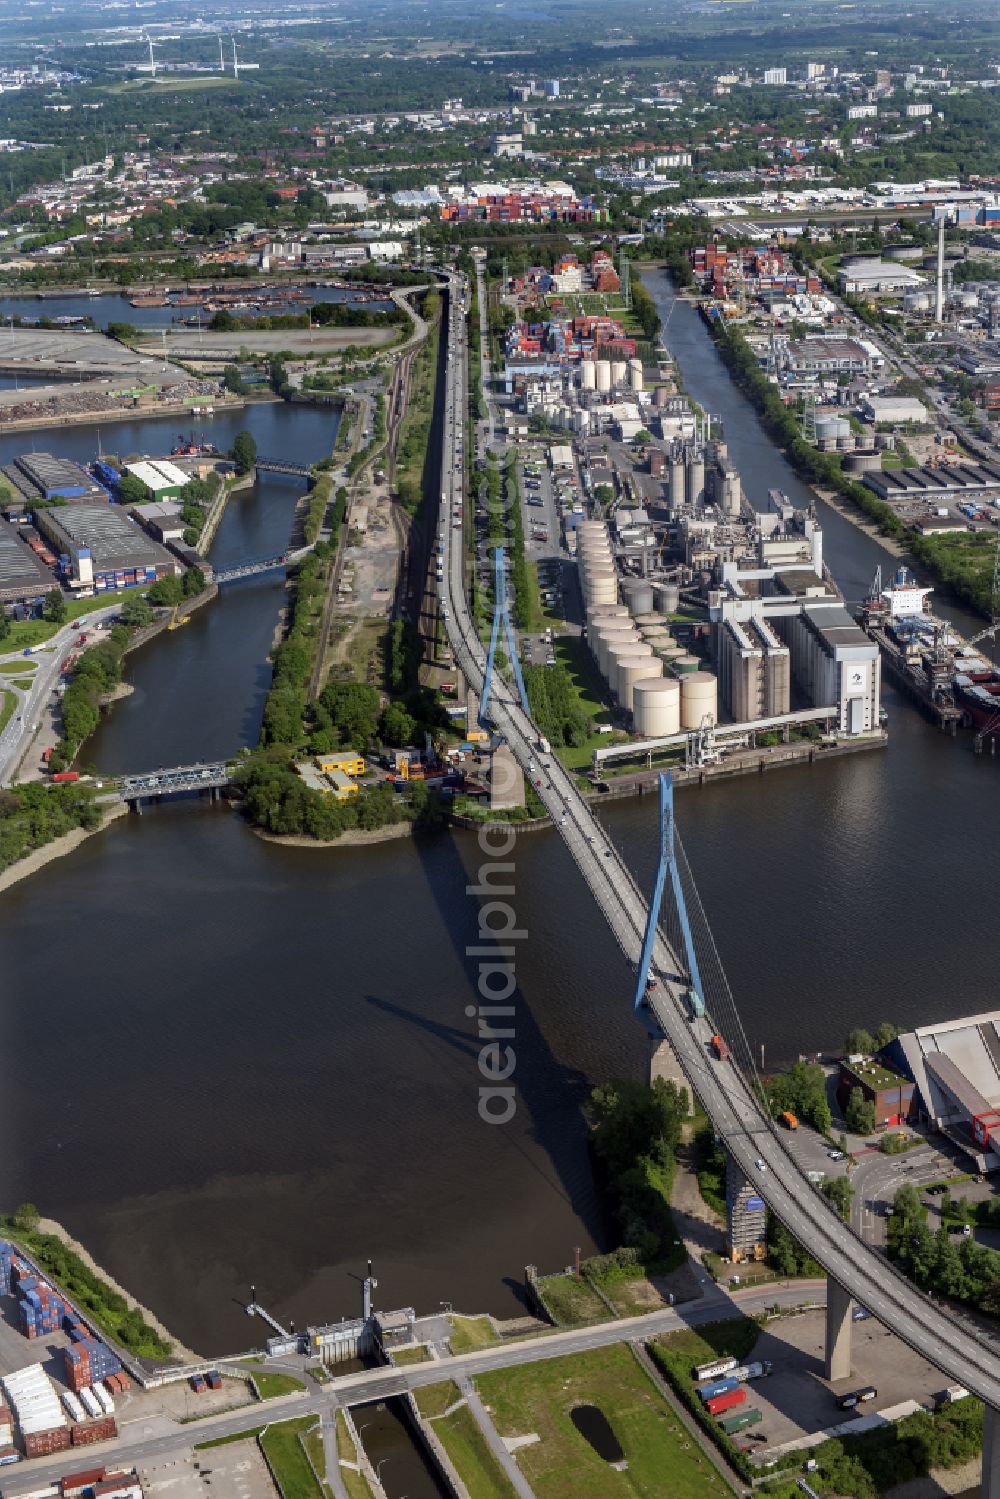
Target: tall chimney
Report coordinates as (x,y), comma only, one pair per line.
(939,304)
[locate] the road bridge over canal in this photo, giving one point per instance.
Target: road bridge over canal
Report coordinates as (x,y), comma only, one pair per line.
(179,780)
(855,1270)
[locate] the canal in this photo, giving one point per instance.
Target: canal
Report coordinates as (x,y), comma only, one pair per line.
(229,1061)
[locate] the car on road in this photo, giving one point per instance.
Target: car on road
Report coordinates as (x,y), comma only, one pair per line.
(761,1165)
(835,1155)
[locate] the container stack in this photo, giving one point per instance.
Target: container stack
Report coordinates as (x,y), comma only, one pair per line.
(87,1360)
(84,1435)
(40,1310)
(6,1256)
(8,1452)
(37,1410)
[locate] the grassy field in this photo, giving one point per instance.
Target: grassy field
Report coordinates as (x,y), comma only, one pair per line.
(434,1399)
(737,1337)
(404,1356)
(287,1458)
(25,632)
(234,1436)
(591,693)
(8,702)
(538,1398)
(17,668)
(471,1333)
(572,1301)
(270,1385)
(356,1484)
(465,1444)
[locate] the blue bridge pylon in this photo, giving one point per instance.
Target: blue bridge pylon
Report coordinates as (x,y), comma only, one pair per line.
(667,865)
(501,614)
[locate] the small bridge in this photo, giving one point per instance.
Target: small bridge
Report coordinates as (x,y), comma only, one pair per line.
(257,565)
(177,781)
(283,466)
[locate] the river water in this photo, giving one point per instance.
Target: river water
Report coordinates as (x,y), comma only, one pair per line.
(111,307)
(227,1061)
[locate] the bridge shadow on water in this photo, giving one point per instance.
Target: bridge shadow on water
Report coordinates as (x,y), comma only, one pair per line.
(552,1145)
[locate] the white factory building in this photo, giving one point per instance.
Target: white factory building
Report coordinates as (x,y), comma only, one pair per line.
(779,625)
(956,1069)
(866,277)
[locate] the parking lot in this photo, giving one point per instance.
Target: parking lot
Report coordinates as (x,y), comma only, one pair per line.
(796,1399)
(235,1470)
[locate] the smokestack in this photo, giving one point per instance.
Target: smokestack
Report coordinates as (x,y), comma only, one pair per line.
(939,304)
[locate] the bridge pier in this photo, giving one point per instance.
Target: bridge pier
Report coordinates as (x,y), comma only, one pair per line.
(991,1453)
(746,1216)
(838,1335)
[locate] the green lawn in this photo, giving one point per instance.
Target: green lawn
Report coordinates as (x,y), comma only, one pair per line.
(25,632)
(434,1399)
(287,1458)
(8,702)
(270,1385)
(234,1436)
(404,1356)
(538,1398)
(356,1484)
(571,1300)
(16,668)
(592,695)
(465,1444)
(471,1333)
(737,1337)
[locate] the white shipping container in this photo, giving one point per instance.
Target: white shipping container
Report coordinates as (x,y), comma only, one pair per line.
(104,1396)
(76,1411)
(90,1405)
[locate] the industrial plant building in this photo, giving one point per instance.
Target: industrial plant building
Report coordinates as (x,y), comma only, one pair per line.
(869,277)
(24,577)
(955,1068)
(40,476)
(101,547)
(163,479)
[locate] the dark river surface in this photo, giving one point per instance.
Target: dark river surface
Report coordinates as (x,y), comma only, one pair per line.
(227,1061)
(111,307)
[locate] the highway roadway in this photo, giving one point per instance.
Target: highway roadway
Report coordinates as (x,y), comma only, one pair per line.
(964,1356)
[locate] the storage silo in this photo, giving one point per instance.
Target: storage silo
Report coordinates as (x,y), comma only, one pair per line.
(684,664)
(602,587)
(613,637)
(656,707)
(731,492)
(604,375)
(619,372)
(658,636)
(661,396)
(652,618)
(588,375)
(615,652)
(673,653)
(629,666)
(696,480)
(638,596)
(667,597)
(676,485)
(699,699)
(605,612)
(635,379)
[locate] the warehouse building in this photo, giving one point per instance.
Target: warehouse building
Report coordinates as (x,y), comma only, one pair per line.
(162,479)
(955,1069)
(40,476)
(24,578)
(161,518)
(101,547)
(973,480)
(869,277)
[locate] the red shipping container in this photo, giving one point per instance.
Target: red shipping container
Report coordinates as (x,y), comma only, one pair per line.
(41,1443)
(75,1483)
(94,1431)
(725,1402)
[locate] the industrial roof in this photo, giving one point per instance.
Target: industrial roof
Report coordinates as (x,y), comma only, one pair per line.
(972,1048)
(158,474)
(115,540)
(22,574)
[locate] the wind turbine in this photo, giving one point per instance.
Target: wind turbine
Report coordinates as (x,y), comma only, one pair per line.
(236,66)
(222,60)
(152,56)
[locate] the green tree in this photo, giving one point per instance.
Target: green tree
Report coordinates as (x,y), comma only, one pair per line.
(27,1217)
(4,623)
(884,1035)
(397,727)
(136,611)
(859,1043)
(839,1191)
(55,608)
(859,1116)
(244,452)
(132,491)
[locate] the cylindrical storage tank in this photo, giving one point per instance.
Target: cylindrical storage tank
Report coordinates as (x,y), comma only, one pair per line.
(616,652)
(597,639)
(633,669)
(588,375)
(635,379)
(658,636)
(610,639)
(649,619)
(603,374)
(862,463)
(661,396)
(656,707)
(677,485)
(594,556)
(683,664)
(619,372)
(827,426)
(602,589)
(605,612)
(731,492)
(846,444)
(673,653)
(638,596)
(696,482)
(699,699)
(592,528)
(667,597)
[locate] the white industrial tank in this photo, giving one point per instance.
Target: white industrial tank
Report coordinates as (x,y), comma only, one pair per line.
(666,597)
(656,707)
(619,371)
(588,375)
(699,699)
(635,379)
(604,375)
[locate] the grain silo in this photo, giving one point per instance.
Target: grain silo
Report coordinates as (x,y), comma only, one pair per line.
(666,597)
(656,707)
(686,663)
(619,372)
(588,375)
(628,669)
(603,375)
(695,479)
(638,596)
(677,480)
(699,699)
(635,379)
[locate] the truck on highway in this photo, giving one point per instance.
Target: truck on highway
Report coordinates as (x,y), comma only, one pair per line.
(757,1369)
(544,747)
(695,1004)
(66,775)
(788,1119)
(720,1048)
